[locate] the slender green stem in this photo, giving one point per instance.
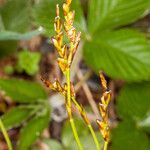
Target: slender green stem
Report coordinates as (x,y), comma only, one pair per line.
(94,137)
(75,134)
(68,88)
(5,135)
(69,111)
(105,145)
(89,126)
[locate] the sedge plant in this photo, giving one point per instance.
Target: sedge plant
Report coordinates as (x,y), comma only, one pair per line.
(66,52)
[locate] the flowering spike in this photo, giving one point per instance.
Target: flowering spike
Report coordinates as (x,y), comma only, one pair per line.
(63,64)
(103,107)
(103,81)
(47,83)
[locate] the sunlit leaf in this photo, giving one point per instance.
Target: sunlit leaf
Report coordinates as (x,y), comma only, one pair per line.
(108,14)
(122,54)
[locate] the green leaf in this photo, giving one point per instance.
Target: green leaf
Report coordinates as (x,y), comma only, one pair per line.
(44,14)
(9,69)
(68,140)
(9,35)
(85,136)
(22,91)
(108,14)
(17,115)
(144,123)
(122,54)
(133,101)
(28,62)
(15,15)
(80,22)
(33,129)
(128,137)
(53,144)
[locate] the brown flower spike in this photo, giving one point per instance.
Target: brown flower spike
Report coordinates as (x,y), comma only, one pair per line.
(66,52)
(103,107)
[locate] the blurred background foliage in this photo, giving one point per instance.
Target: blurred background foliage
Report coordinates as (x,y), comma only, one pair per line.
(115,39)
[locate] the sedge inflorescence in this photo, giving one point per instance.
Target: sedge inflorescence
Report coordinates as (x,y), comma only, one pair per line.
(103,107)
(66,52)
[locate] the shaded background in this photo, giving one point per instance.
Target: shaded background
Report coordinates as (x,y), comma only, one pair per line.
(115,39)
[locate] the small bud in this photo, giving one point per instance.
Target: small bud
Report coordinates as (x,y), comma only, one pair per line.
(54,41)
(46,82)
(103,81)
(105,99)
(73,90)
(72,34)
(64,51)
(57,25)
(57,10)
(65,9)
(63,64)
(68,2)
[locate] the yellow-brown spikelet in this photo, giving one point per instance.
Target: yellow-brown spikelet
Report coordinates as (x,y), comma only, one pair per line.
(103,107)
(56,86)
(66,53)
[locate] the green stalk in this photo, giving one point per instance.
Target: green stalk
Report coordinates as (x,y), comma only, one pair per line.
(89,126)
(69,111)
(5,135)
(94,137)
(105,145)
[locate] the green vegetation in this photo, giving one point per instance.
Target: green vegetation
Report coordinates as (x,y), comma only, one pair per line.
(111,41)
